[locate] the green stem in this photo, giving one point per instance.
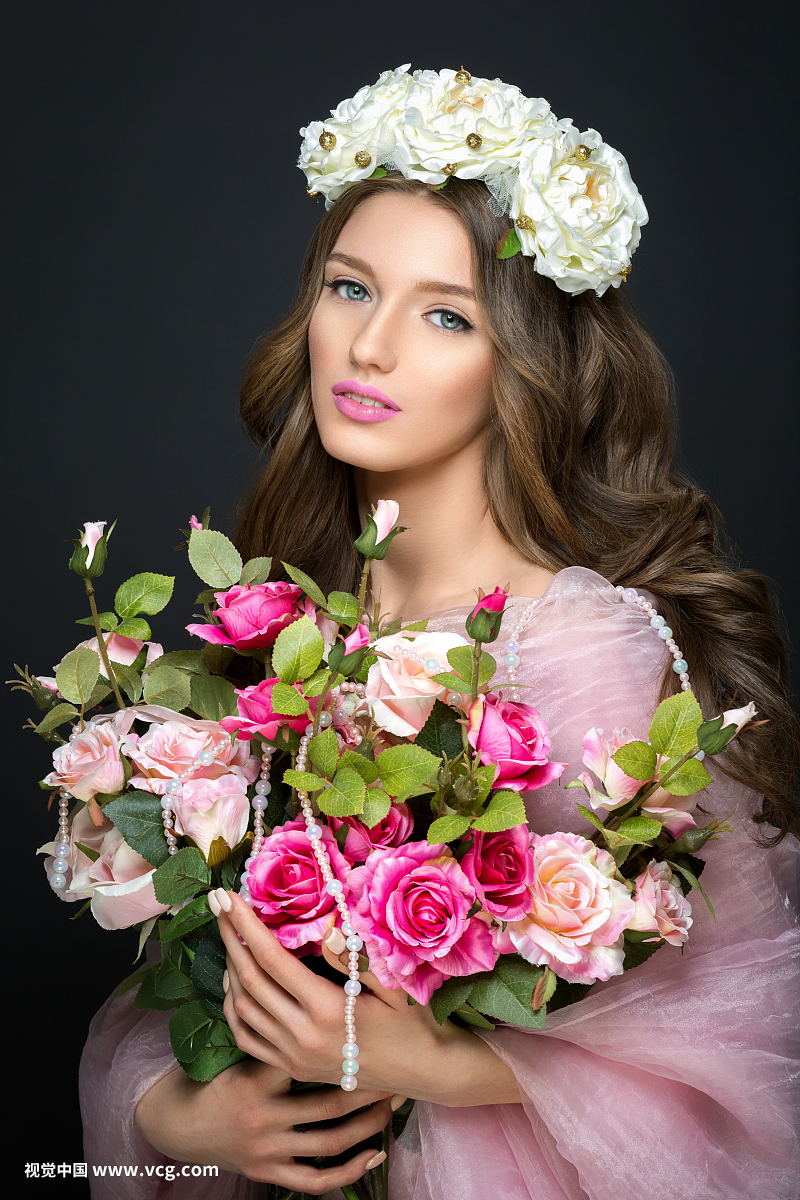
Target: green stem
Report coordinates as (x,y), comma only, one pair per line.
(110,676)
(362,590)
(348,1192)
(330,686)
(476,667)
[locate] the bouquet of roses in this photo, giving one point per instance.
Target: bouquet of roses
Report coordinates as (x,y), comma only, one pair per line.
(186,771)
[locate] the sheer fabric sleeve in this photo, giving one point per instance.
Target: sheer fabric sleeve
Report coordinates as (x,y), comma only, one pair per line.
(676,1078)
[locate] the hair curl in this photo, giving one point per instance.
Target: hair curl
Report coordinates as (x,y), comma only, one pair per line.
(577,471)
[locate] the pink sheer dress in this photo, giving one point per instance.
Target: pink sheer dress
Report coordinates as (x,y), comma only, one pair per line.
(677,1078)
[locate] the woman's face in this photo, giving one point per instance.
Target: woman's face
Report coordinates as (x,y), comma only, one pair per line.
(401,364)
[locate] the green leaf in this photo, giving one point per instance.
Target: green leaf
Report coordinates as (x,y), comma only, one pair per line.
(484,776)
(208,968)
(130,681)
(638,949)
(378,173)
(323,750)
(506,992)
(191,661)
(212,697)
(147,997)
(639,829)
(692,880)
(146,593)
(106,620)
(88,851)
(214,558)
(416,626)
(376,806)
(505,810)
(181,876)
(173,978)
(343,607)
(345,796)
(316,684)
(467,1014)
(219,1053)
(297,651)
(169,687)
(590,816)
(453,683)
(441,733)
(304,781)
(189,1030)
(57,716)
(100,693)
(450,995)
(403,768)
(366,769)
(287,701)
(689,778)
(139,818)
(191,916)
(509,244)
(673,730)
(307,584)
(637,759)
(567,993)
(448,828)
(460,659)
(77,674)
(134,627)
(255,571)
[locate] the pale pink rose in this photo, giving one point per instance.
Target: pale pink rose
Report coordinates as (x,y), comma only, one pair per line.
(410,903)
(287,888)
(739,716)
(89,764)
(92,532)
(252,616)
(578,911)
(399,690)
(661,906)
(213,808)
(171,747)
(256,714)
(392,830)
(513,738)
(674,812)
(120,884)
(500,866)
(125,650)
(386,515)
(82,832)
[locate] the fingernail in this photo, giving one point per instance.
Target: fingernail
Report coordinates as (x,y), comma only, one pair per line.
(335,941)
(226,983)
(223,899)
(376,1158)
(396,1101)
(213,904)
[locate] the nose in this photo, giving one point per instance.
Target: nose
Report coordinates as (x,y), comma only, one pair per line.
(375,342)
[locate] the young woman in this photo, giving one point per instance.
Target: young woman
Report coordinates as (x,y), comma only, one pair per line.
(525,428)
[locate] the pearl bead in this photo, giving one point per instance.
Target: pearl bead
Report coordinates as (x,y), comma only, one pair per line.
(258,803)
(347,929)
(348,1083)
(333,887)
(173,786)
(350,1050)
(431,665)
(680,666)
(262,788)
(167,803)
(309,730)
(205,758)
(513,646)
(352,987)
(314,832)
(350,1066)
(665,633)
(511,660)
(354,943)
(629,595)
(325,720)
(657,622)
(59,880)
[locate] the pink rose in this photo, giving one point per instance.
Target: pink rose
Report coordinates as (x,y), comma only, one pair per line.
(81,830)
(356,640)
(578,911)
(120,884)
(387,513)
(660,906)
(500,866)
(287,887)
(392,830)
(257,716)
(213,808)
(125,650)
(252,616)
(512,737)
(410,905)
(674,812)
(172,747)
(89,764)
(399,689)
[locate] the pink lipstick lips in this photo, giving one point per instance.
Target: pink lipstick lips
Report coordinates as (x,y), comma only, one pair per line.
(362,402)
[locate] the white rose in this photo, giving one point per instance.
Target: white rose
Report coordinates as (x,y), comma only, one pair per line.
(367,123)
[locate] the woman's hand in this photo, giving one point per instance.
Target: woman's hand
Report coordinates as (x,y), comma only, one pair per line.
(285,1015)
(243,1121)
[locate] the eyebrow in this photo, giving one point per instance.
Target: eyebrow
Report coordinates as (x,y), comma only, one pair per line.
(424,285)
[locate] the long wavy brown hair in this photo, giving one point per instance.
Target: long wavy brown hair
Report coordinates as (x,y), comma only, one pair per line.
(578,471)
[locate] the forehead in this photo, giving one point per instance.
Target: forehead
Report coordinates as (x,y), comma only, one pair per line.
(408,237)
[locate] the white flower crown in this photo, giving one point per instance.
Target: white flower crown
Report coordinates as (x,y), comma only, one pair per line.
(574,205)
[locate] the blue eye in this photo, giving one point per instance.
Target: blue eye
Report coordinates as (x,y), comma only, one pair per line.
(450,320)
(348,289)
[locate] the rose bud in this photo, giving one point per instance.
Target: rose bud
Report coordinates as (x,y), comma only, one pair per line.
(89,556)
(382,526)
(483,623)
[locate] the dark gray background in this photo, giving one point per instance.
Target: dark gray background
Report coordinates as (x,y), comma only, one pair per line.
(155,225)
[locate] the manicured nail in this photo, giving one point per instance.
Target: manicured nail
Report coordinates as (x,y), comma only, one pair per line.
(223,899)
(376,1158)
(213,904)
(335,941)
(396,1101)
(226,983)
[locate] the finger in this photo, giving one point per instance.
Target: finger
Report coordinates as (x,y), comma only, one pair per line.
(252,978)
(326,1104)
(395,999)
(317,1181)
(338,1139)
(271,956)
(251,1041)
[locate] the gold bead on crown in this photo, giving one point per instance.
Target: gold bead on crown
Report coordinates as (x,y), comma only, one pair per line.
(327,139)
(363,159)
(463,76)
(524,222)
(625,272)
(474,141)
(449,169)
(582,153)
